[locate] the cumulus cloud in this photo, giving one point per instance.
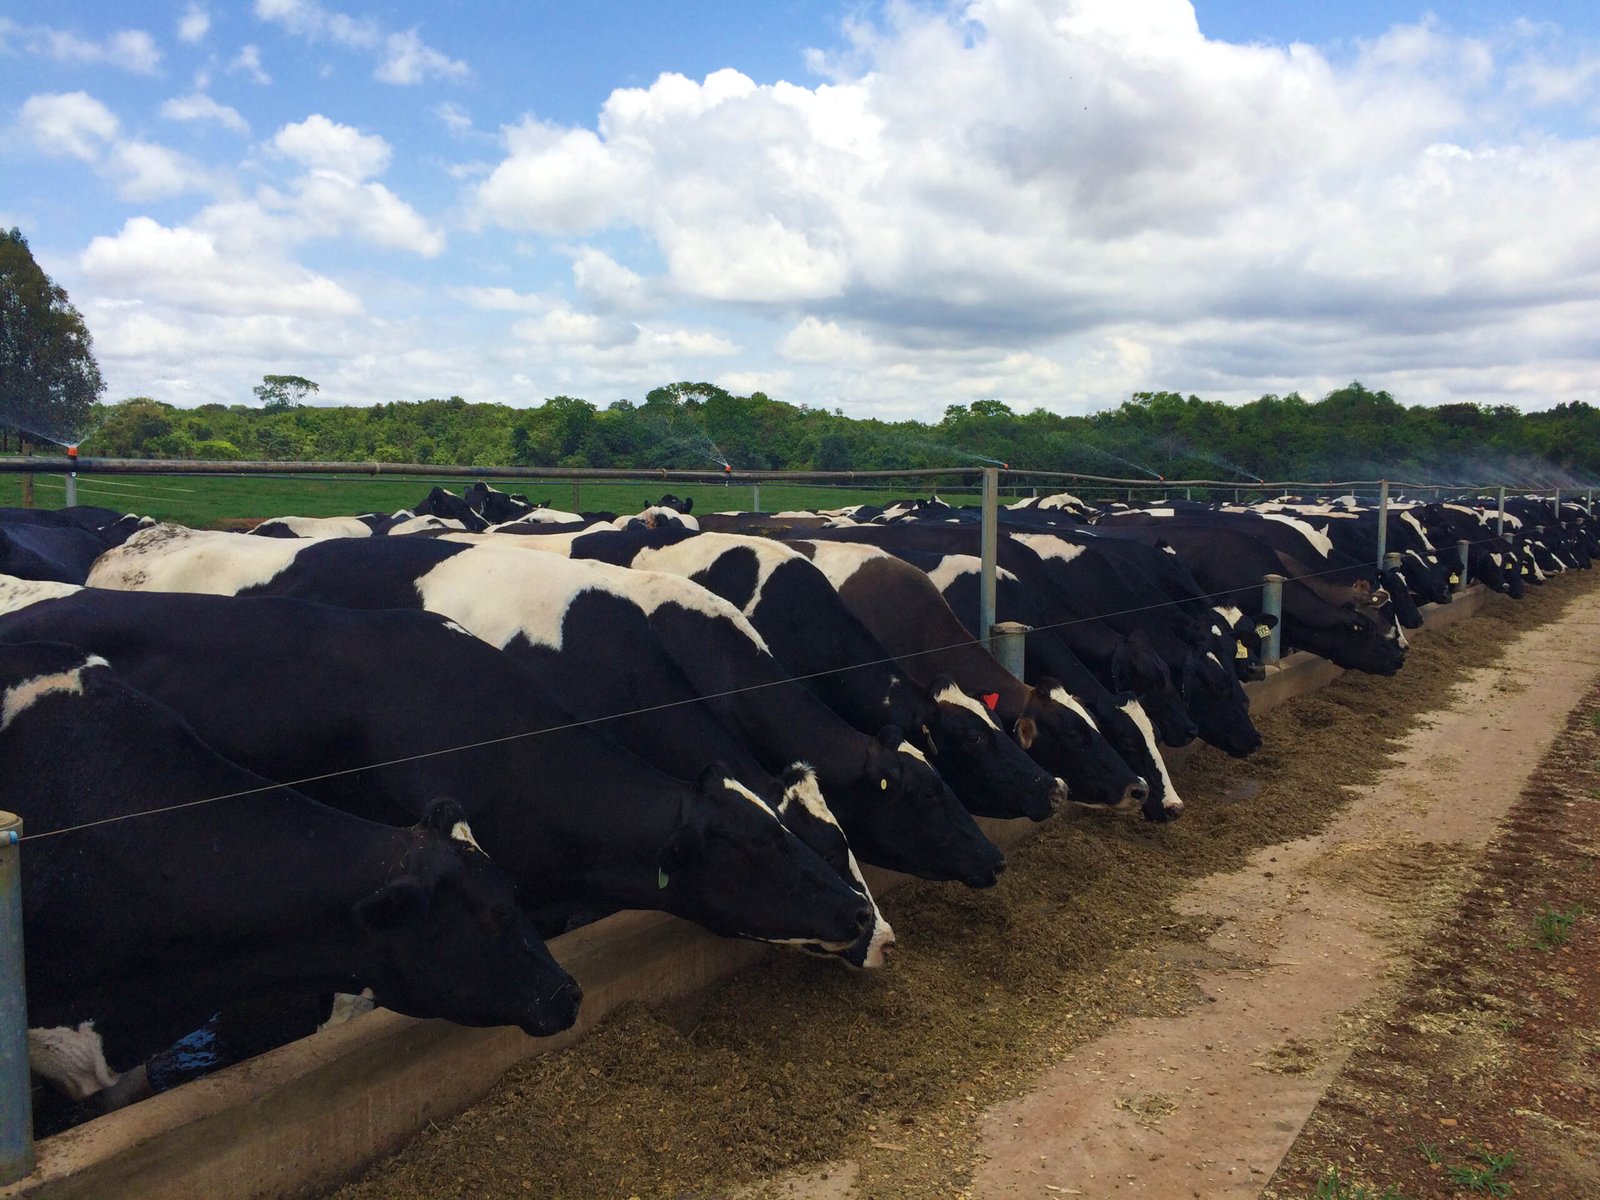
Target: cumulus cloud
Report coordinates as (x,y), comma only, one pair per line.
(1049,185)
(403,58)
(248,62)
(194,24)
(76,125)
(198,107)
(326,145)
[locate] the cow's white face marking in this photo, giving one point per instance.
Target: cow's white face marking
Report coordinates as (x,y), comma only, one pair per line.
(20,697)
(1170,801)
(1230,615)
(1416,526)
(17,593)
(906,747)
(170,558)
(1169,550)
(733,785)
(954,695)
(72,1059)
(1214,659)
(1047,545)
(806,792)
(1067,700)
(462,832)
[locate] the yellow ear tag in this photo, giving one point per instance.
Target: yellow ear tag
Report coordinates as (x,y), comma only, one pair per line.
(883,785)
(1455,579)
(1240,652)
(1262,631)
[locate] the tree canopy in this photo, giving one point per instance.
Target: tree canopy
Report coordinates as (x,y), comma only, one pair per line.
(49,380)
(278,392)
(1352,432)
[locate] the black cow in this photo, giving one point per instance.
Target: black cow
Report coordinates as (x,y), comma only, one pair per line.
(232,886)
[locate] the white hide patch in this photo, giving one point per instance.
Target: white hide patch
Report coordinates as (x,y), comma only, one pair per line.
(17,594)
(840,560)
(462,832)
(1047,545)
(954,695)
(1318,538)
(499,593)
(170,558)
(656,514)
(1230,615)
(651,589)
(424,524)
(906,747)
(312,527)
(696,554)
(807,793)
(1416,525)
(1478,515)
(733,785)
(543,516)
(1065,698)
(24,695)
(1170,801)
(74,1060)
(953,566)
(1061,500)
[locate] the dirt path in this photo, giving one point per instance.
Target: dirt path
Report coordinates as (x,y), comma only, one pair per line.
(1206,1104)
(1123,980)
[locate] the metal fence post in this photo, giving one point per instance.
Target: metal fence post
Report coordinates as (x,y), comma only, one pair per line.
(1461,550)
(1009,641)
(16,1099)
(1500,511)
(1272,605)
(991,551)
(755,497)
(72,476)
(575,501)
(1383,519)
(1555,505)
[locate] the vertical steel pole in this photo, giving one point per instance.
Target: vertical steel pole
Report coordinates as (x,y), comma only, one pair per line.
(990,546)
(1383,519)
(1010,644)
(16,1099)
(1555,505)
(1462,548)
(1500,511)
(755,500)
(1188,493)
(72,476)
(1272,605)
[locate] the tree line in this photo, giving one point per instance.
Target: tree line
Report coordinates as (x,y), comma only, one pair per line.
(1352,432)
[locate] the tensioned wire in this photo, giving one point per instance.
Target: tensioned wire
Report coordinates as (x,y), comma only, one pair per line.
(570,725)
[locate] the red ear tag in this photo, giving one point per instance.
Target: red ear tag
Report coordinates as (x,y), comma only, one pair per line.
(990,699)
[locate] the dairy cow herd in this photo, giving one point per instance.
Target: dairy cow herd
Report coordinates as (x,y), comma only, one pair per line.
(390,754)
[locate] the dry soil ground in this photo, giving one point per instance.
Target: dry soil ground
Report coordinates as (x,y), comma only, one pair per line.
(1135,1011)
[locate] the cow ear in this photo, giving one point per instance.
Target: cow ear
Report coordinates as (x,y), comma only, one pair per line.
(939,683)
(403,902)
(1045,684)
(890,737)
(1268,620)
(688,504)
(1026,730)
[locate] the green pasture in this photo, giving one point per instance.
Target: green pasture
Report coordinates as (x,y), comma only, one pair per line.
(203,501)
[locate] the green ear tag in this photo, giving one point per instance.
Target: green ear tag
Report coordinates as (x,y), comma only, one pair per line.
(661,878)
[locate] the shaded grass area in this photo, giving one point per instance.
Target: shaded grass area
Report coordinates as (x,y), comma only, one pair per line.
(204,501)
(796,1063)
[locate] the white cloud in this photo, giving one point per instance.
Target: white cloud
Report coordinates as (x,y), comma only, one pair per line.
(248,62)
(198,107)
(186,269)
(68,123)
(455,118)
(326,145)
(1016,190)
(329,205)
(194,24)
(131,50)
(403,58)
(407,61)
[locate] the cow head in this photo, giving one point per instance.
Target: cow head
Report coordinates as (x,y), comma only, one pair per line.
(1405,608)
(991,773)
(1217,703)
(805,813)
(445,938)
(1239,639)
(1137,668)
(1071,746)
(904,816)
(731,866)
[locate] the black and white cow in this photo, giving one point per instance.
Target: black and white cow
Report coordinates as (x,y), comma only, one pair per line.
(231,886)
(304,691)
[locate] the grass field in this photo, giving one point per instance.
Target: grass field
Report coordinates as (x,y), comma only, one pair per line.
(206,500)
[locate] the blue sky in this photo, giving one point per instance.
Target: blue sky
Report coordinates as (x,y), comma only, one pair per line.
(885,208)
